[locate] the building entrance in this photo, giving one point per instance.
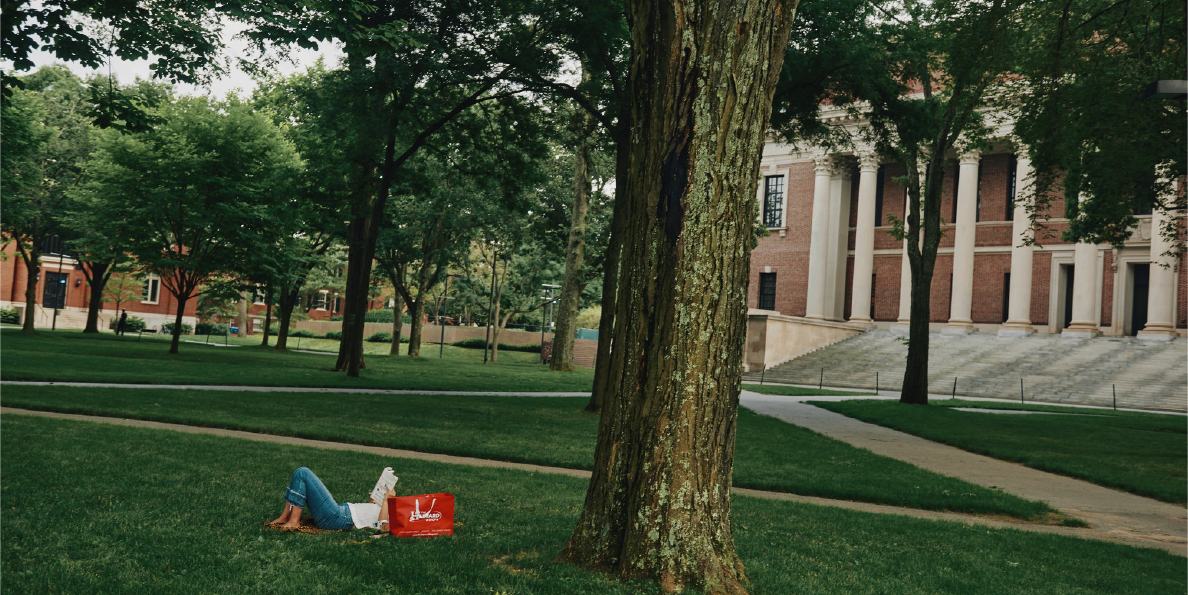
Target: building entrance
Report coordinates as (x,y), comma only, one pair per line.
(1140,275)
(54,295)
(1066,316)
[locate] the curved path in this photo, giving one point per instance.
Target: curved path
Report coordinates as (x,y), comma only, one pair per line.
(1119,514)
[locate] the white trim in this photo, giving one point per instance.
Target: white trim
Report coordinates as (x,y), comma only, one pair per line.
(148,281)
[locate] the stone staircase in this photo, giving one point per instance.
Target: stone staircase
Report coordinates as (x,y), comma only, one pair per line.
(1147,374)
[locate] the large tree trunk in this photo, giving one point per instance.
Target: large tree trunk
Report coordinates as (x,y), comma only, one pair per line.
(96,281)
(417,313)
(177,322)
(915,375)
(33,268)
(397,322)
(658,505)
(575,251)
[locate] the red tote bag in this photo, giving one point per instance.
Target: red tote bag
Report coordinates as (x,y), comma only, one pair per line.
(427,515)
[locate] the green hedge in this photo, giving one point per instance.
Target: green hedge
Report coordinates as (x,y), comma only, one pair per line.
(10,316)
(308,334)
(478,344)
(336,335)
(168,328)
(382,315)
(380,337)
(212,328)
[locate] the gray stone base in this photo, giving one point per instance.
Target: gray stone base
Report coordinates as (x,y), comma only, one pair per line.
(1078,334)
(1015,332)
(1155,336)
(957,330)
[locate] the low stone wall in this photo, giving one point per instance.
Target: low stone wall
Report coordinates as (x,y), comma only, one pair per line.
(773,339)
(431,333)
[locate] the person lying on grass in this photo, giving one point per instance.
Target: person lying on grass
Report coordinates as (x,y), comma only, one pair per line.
(307,491)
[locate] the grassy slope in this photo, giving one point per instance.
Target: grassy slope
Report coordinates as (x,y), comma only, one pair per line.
(1143,453)
(551,431)
(72,356)
(90,508)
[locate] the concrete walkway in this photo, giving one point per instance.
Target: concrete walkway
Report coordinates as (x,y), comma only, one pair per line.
(1118,514)
(457,460)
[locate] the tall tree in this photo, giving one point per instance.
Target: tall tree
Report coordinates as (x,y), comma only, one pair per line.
(196,192)
(51,139)
(921,75)
(658,504)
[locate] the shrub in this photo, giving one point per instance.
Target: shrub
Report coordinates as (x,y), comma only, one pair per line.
(383,315)
(478,344)
(589,317)
(10,316)
(212,328)
(336,335)
(308,334)
(380,337)
(168,328)
(134,324)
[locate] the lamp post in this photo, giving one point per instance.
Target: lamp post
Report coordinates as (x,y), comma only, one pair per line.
(544,323)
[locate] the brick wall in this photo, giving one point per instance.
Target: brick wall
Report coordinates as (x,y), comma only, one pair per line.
(1041,278)
(989,282)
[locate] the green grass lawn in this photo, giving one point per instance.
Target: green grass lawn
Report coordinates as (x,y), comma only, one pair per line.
(73,356)
(799,391)
(1143,453)
(90,508)
(770,454)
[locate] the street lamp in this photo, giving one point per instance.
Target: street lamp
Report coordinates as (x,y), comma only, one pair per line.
(440,319)
(547,287)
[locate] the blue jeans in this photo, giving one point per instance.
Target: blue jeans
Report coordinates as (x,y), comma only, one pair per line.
(307,491)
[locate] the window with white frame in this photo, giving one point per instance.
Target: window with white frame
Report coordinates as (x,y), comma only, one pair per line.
(150,292)
(322,299)
(773,201)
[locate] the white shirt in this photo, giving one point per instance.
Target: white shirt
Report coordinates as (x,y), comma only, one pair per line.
(365,515)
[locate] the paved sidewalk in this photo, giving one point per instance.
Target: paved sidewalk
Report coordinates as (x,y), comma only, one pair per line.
(299,389)
(1112,512)
(457,460)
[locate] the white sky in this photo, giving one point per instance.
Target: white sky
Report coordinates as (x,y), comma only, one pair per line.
(297,59)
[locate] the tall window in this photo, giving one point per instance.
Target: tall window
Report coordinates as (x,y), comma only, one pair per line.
(322,298)
(1011,189)
(773,201)
(767,282)
(150,292)
(873,293)
(879,199)
(978,212)
(956,185)
(1006,296)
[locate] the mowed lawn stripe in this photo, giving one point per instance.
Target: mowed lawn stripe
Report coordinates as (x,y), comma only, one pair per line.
(1142,453)
(156,512)
(770,454)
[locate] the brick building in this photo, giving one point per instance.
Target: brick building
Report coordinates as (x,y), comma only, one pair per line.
(829,254)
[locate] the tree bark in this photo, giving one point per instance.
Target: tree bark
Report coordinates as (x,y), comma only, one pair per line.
(96,281)
(658,504)
(575,251)
(610,273)
(241,317)
(33,268)
(177,322)
(288,302)
(397,322)
(417,313)
(267,316)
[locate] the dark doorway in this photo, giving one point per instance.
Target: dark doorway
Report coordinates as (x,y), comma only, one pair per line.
(1068,294)
(53,296)
(1141,277)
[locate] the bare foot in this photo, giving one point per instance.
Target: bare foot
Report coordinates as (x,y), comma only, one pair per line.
(279,520)
(292,524)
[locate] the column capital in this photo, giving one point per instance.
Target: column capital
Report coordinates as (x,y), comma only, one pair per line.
(971,158)
(823,164)
(868,161)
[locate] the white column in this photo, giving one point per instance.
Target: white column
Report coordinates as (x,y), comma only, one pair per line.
(961,301)
(1085,284)
(819,241)
(1161,287)
(1018,322)
(868,177)
(839,239)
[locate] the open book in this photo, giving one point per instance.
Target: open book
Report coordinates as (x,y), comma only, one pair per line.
(387,481)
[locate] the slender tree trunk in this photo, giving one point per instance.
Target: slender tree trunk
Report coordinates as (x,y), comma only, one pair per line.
(417,313)
(241,317)
(177,322)
(495,328)
(610,274)
(267,316)
(575,251)
(922,260)
(915,375)
(96,281)
(288,302)
(33,268)
(397,323)
(658,504)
